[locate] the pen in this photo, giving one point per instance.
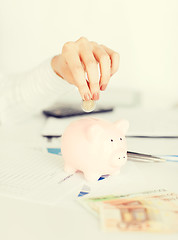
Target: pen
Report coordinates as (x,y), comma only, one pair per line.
(140,157)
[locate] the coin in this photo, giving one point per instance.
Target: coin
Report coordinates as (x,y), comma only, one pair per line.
(88,106)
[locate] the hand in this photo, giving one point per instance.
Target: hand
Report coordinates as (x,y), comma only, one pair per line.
(82,57)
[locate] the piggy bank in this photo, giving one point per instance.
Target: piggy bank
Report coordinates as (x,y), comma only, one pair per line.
(95,147)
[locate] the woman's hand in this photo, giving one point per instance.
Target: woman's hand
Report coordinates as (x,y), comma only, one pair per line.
(81,57)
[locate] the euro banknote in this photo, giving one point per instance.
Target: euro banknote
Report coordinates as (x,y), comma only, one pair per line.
(143,215)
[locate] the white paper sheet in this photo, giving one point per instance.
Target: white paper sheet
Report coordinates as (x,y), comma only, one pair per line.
(114,184)
(30,174)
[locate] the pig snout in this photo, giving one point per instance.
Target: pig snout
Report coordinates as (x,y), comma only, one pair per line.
(118,159)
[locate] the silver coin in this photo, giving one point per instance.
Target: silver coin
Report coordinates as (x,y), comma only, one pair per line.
(88,106)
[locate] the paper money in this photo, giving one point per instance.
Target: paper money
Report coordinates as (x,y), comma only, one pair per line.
(92,204)
(137,215)
(163,199)
(88,106)
(149,211)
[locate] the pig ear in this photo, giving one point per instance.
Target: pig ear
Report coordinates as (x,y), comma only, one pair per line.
(122,125)
(94,131)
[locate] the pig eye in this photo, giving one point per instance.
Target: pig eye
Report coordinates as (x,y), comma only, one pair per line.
(111,140)
(120,138)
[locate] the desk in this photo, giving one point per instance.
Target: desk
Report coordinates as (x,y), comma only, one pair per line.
(22,220)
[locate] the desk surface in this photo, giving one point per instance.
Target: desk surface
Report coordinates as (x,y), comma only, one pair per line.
(67,219)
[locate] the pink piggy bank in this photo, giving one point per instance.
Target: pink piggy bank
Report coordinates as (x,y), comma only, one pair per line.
(94,146)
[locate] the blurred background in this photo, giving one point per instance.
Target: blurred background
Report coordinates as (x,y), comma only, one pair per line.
(145,33)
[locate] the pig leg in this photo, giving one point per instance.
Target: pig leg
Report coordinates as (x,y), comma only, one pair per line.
(69,169)
(91,177)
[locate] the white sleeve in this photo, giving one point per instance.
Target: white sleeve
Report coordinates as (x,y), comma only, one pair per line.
(24,95)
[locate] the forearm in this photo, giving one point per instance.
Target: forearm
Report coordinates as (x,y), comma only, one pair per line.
(29,93)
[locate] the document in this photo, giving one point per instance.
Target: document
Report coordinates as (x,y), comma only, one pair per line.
(31,174)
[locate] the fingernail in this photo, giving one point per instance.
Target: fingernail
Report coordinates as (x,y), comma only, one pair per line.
(103,87)
(87,97)
(95,96)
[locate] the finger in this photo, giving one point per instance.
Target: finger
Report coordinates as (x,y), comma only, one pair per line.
(91,68)
(105,66)
(77,71)
(115,58)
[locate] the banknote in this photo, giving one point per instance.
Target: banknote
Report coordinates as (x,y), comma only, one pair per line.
(149,211)
(167,196)
(166,201)
(144,215)
(93,203)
